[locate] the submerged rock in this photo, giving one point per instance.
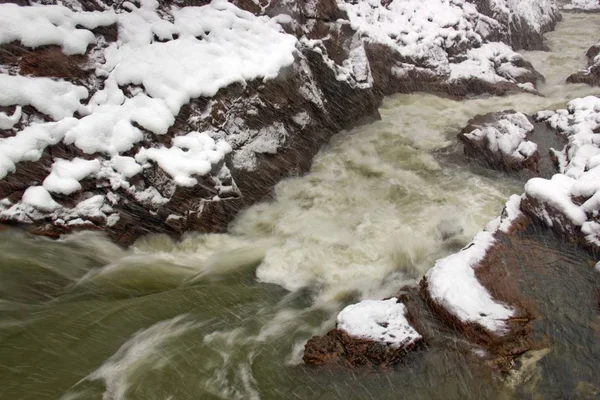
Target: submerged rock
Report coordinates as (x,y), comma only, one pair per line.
(187,137)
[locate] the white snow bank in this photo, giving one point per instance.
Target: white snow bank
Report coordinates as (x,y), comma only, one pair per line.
(57,99)
(556,192)
(427,32)
(508,136)
(66,174)
(51,25)
(452,282)
(380,321)
(111,128)
(192,154)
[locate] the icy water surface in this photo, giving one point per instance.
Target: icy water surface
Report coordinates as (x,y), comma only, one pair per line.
(226,316)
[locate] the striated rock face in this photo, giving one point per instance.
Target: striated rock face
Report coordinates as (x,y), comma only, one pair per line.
(500,140)
(165,117)
(591,75)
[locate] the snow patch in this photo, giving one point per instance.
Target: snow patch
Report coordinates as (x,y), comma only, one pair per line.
(51,25)
(380,321)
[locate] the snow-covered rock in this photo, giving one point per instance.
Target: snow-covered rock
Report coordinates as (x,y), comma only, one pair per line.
(453,285)
(583,5)
(382,321)
(591,75)
(369,333)
(569,202)
(523,22)
(500,140)
(162,109)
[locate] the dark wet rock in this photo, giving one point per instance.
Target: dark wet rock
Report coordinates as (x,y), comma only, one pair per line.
(591,75)
(337,347)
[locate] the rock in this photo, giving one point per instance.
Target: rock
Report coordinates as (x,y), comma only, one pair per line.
(500,140)
(330,65)
(369,333)
(591,75)
(582,6)
(568,202)
(523,23)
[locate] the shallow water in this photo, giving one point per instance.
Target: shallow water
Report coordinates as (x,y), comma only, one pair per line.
(226,316)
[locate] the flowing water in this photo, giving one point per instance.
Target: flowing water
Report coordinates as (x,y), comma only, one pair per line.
(226,316)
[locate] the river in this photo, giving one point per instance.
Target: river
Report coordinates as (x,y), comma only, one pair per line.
(227,315)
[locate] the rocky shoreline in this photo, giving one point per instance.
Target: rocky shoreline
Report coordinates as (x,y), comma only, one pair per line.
(107,144)
(344,60)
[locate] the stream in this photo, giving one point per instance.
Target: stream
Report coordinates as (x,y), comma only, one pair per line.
(227,315)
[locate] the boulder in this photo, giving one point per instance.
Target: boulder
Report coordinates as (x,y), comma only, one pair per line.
(591,75)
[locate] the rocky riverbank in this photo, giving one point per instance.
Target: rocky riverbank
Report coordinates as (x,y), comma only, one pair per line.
(475,291)
(116,151)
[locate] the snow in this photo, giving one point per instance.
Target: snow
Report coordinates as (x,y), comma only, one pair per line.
(535,14)
(29,143)
(588,5)
(111,126)
(508,136)
(207,48)
(39,198)
(66,174)
(579,167)
(556,192)
(218,45)
(57,99)
(8,121)
(428,32)
(415,28)
(452,282)
(51,25)
(382,321)
(492,62)
(191,154)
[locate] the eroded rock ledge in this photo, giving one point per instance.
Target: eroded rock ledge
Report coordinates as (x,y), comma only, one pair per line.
(97,140)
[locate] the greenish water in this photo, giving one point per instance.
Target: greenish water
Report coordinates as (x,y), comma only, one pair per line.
(227,316)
